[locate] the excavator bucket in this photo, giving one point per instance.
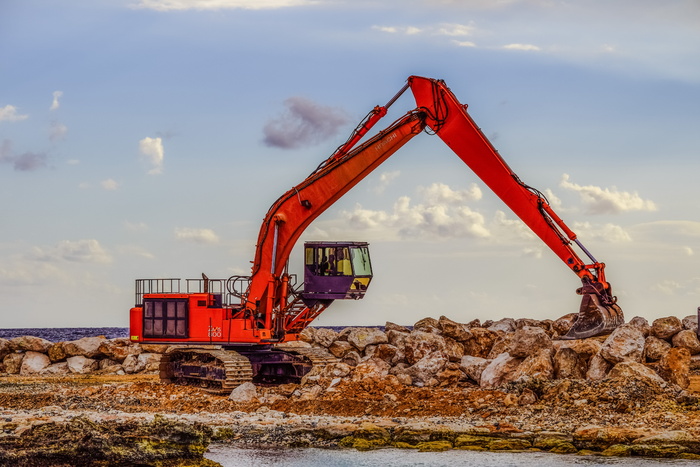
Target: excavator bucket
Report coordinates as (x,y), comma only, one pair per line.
(595,318)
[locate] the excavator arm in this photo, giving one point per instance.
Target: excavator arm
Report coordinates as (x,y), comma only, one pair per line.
(439,110)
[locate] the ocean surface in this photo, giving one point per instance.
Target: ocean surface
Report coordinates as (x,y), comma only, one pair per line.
(312,457)
(64,334)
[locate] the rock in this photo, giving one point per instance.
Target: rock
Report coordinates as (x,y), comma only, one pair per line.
(244,393)
(56,352)
(352,358)
(505,325)
(501,344)
(562,325)
(362,337)
(325,337)
(453,330)
(340,348)
(538,366)
(642,324)
(598,368)
(131,364)
(480,343)
(33,363)
(599,438)
(307,335)
(674,367)
(81,365)
(500,371)
(118,349)
(529,340)
(13,363)
(5,348)
(373,368)
(56,369)
(655,349)
(688,339)
(426,368)
(389,326)
(473,366)
(666,328)
(690,323)
(396,338)
(150,361)
(635,370)
(87,347)
(426,325)
(568,364)
(585,348)
(30,344)
(418,344)
(386,352)
(626,343)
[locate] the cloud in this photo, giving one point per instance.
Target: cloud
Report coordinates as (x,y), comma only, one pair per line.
(524,47)
(179,5)
(441,29)
(607,200)
(385,180)
(109,184)
(79,251)
(55,104)
(196,235)
(9,114)
(26,162)
(57,132)
(304,123)
(152,151)
(685,287)
(610,233)
(441,213)
(136,227)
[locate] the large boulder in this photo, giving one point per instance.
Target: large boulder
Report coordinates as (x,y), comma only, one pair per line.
(562,325)
(13,362)
(30,344)
(688,339)
(655,348)
(5,348)
(473,366)
(325,337)
(585,348)
(642,324)
(626,343)
(56,353)
(480,342)
(340,348)
(598,368)
(666,328)
(82,365)
(538,366)
(372,368)
(426,325)
(569,365)
(690,323)
(56,369)
(244,393)
(635,370)
(118,349)
(418,344)
(505,325)
(33,363)
(453,329)
(424,371)
(362,337)
(529,340)
(87,347)
(500,371)
(674,367)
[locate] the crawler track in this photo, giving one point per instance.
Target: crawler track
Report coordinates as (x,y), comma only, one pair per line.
(216,370)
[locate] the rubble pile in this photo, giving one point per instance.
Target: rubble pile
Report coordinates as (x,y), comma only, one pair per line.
(441,352)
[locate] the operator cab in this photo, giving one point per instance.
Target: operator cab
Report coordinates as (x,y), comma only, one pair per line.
(336,270)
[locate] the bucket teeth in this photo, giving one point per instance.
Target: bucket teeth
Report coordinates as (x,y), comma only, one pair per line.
(595,318)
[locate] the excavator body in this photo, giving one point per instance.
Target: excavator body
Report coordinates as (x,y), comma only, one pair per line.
(228,331)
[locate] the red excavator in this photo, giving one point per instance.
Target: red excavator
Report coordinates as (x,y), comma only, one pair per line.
(228,331)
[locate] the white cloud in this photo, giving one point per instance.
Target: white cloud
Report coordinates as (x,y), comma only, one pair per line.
(607,232)
(672,287)
(179,5)
(79,251)
(688,251)
(135,226)
(385,180)
(607,200)
(57,132)
(9,114)
(524,47)
(441,29)
(196,235)
(152,151)
(55,104)
(464,43)
(109,184)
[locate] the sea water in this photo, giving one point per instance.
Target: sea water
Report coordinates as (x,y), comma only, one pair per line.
(312,457)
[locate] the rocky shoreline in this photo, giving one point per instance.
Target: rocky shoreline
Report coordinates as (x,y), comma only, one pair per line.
(506,385)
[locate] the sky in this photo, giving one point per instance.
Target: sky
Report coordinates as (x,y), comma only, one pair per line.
(148,138)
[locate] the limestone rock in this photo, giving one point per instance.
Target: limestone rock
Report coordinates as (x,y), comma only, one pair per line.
(500,371)
(505,325)
(562,325)
(386,352)
(33,363)
(56,352)
(568,364)
(56,369)
(362,337)
(629,369)
(626,343)
(13,363)
(30,344)
(690,323)
(501,344)
(666,328)
(655,348)
(426,325)
(538,366)
(598,368)
(688,339)
(118,349)
(389,326)
(5,348)
(81,365)
(371,368)
(427,368)
(454,330)
(396,338)
(529,340)
(307,335)
(674,367)
(480,343)
(473,366)
(87,347)
(585,348)
(244,393)
(340,348)
(352,358)
(642,324)
(325,337)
